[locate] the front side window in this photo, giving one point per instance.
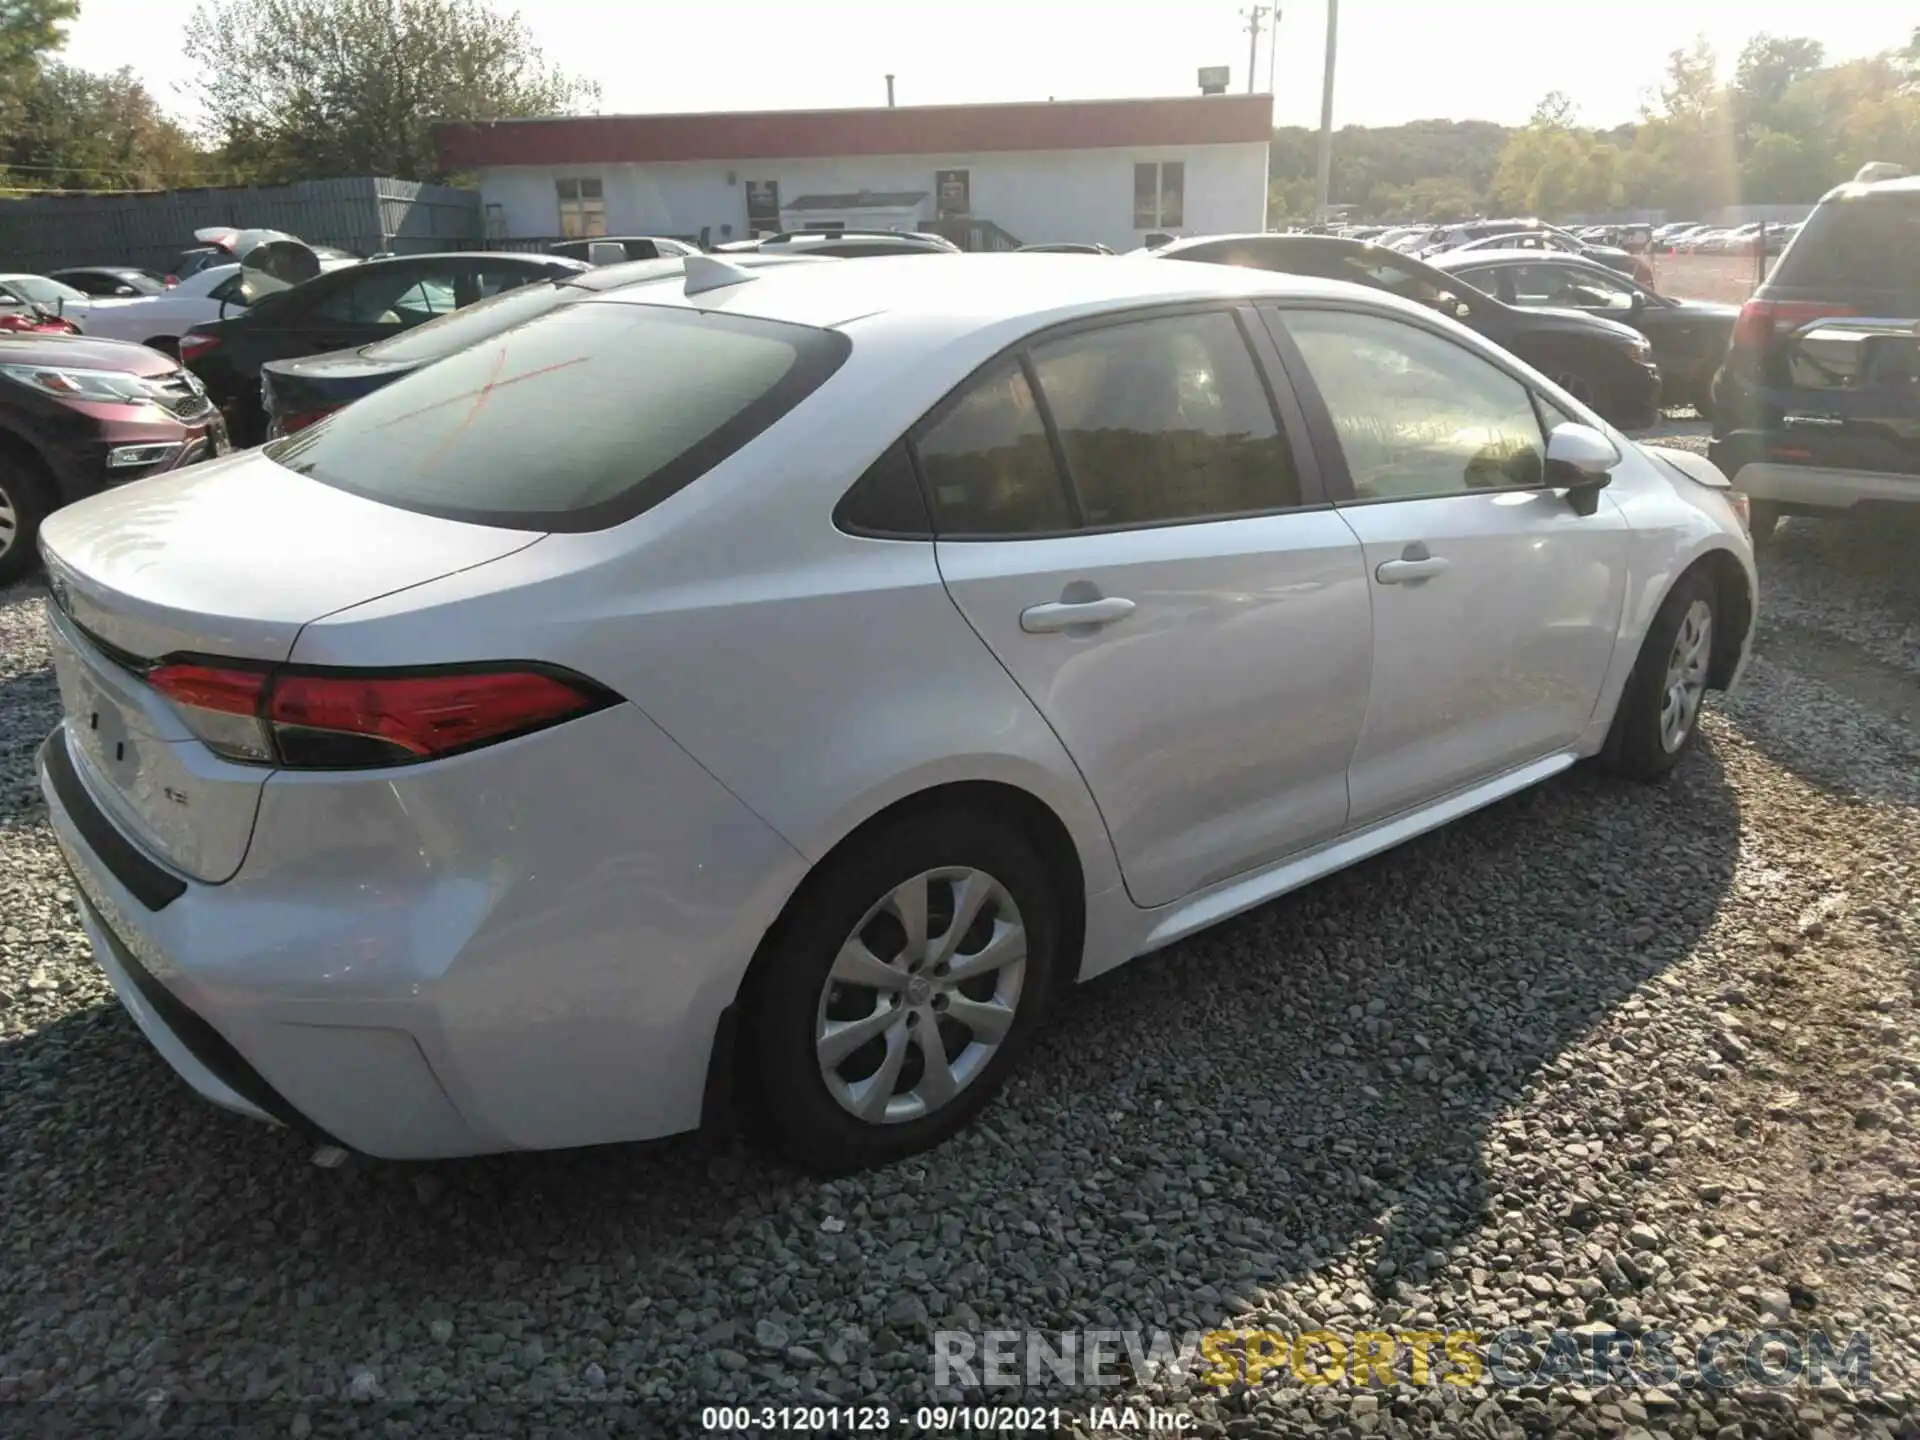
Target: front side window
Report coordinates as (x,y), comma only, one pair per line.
(583,208)
(1164,420)
(1569,287)
(1418,416)
(1159,194)
(573,421)
(988,465)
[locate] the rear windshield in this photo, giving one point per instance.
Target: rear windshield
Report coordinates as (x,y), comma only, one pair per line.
(1857,242)
(575,421)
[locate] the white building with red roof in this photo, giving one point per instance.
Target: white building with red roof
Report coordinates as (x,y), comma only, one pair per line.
(1106,171)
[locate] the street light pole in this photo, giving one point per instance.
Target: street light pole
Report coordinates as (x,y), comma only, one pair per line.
(1326,108)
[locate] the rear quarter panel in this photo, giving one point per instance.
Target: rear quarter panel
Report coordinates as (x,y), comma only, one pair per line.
(819,676)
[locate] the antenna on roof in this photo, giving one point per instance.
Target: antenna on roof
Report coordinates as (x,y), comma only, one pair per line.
(709,272)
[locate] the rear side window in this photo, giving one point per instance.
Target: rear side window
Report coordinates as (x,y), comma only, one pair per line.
(1164,420)
(576,421)
(1857,242)
(988,464)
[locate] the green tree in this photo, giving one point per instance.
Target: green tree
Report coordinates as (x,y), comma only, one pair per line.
(314,88)
(1769,67)
(29,31)
(75,130)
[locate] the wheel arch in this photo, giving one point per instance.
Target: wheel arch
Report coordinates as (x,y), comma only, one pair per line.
(729,1070)
(16,446)
(1733,588)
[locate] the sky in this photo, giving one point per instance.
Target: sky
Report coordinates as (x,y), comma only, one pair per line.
(1399,60)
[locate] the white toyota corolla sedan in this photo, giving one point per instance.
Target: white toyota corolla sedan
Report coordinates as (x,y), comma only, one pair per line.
(758,694)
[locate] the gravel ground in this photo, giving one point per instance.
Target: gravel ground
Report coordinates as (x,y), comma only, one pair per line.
(1639,1057)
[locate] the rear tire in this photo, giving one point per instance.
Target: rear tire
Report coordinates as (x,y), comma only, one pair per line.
(1658,718)
(835,1109)
(26,497)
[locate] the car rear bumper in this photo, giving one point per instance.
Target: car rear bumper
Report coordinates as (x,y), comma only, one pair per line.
(366,980)
(1817,487)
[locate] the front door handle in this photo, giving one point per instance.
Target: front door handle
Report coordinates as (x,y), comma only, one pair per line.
(1061,615)
(1416,566)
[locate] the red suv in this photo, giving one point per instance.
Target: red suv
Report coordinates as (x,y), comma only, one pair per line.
(78,415)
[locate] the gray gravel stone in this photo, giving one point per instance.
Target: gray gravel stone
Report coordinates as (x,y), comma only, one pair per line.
(1457,1087)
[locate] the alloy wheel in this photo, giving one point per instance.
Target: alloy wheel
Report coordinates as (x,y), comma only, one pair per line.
(921,995)
(9,521)
(1686,679)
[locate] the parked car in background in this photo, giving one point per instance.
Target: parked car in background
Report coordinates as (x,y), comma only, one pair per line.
(194,259)
(78,415)
(637,247)
(349,307)
(1817,408)
(1543,237)
(39,296)
(1066,247)
(1689,337)
(160,320)
(111,281)
(554,749)
(1607,364)
(301,391)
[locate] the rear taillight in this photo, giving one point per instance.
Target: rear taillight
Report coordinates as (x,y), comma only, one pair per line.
(295,421)
(220,705)
(1761,320)
(349,720)
(192,347)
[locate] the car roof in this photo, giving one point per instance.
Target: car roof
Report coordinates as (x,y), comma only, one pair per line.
(1855,189)
(537,258)
(1260,237)
(960,293)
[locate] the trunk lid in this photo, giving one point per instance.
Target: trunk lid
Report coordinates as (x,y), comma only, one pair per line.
(226,560)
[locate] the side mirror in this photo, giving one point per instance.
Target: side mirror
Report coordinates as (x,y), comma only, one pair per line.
(1580,458)
(9,302)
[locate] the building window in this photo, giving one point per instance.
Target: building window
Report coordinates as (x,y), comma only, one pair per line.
(1159,194)
(583,209)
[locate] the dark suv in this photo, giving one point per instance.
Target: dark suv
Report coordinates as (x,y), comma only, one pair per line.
(78,415)
(1817,409)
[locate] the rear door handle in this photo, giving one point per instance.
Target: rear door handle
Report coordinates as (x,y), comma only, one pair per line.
(1416,566)
(1061,615)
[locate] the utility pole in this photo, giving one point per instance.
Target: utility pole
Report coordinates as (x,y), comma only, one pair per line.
(1273,35)
(1326,109)
(1253,17)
